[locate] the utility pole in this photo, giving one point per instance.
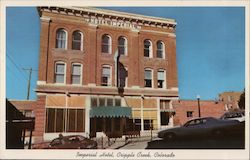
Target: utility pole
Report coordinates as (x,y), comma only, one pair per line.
(28,90)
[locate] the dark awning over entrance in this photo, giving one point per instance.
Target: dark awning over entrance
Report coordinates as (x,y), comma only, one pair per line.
(110,111)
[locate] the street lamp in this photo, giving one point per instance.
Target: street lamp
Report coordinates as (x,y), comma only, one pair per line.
(198,99)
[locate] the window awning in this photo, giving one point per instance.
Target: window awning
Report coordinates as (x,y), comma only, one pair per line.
(110,111)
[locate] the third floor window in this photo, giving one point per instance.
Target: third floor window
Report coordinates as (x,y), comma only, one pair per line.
(61,39)
(148,49)
(77,40)
(122,46)
(106,44)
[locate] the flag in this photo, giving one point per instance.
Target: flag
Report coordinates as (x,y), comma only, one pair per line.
(116,59)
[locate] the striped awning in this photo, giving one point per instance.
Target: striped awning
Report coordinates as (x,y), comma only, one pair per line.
(110,111)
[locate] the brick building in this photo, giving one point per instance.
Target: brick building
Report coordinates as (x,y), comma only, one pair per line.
(188,109)
(231,99)
(94,58)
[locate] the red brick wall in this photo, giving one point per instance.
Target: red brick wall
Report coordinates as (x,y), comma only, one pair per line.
(92,58)
(38,107)
(207,108)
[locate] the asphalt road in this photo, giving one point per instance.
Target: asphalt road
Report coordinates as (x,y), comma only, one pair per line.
(222,143)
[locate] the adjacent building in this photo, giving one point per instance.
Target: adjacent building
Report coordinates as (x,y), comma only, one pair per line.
(104,71)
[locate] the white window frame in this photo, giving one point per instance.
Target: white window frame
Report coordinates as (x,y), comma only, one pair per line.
(163,49)
(150,48)
(125,45)
(110,44)
(65,68)
(80,73)
(164,83)
(81,43)
(66,40)
(152,79)
(109,80)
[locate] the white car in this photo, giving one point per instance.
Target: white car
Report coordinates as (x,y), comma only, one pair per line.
(234,115)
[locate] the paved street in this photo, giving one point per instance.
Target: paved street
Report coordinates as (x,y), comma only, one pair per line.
(223,143)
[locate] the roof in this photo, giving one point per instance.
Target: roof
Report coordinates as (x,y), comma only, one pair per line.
(99,12)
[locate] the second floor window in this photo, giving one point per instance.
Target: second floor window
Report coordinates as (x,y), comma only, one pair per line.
(106,76)
(76,74)
(148,49)
(161,78)
(148,78)
(61,39)
(60,72)
(122,46)
(160,50)
(106,44)
(77,40)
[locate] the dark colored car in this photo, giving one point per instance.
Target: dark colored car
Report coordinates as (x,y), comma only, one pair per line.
(69,142)
(201,127)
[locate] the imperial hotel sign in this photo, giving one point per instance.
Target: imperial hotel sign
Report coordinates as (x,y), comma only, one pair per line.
(103,71)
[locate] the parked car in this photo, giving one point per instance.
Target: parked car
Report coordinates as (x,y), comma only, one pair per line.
(201,127)
(68,142)
(234,115)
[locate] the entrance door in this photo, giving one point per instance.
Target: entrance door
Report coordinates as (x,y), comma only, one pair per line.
(164,118)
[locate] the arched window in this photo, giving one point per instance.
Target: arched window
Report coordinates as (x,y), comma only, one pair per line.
(60,68)
(122,46)
(106,44)
(76,73)
(160,49)
(77,40)
(61,38)
(148,74)
(148,51)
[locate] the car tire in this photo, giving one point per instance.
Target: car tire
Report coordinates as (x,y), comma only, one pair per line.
(169,136)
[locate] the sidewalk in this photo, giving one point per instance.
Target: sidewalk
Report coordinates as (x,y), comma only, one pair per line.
(134,143)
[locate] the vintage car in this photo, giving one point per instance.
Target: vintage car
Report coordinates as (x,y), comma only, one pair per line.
(202,127)
(234,115)
(68,142)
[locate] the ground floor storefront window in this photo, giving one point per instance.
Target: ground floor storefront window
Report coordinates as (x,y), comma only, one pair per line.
(65,120)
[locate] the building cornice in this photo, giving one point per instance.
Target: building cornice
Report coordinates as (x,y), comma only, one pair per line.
(109,17)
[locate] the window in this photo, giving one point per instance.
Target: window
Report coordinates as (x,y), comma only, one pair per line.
(105,101)
(147,124)
(164,104)
(76,73)
(60,72)
(57,118)
(61,39)
(165,118)
(122,46)
(117,102)
(106,76)
(189,113)
(161,79)
(137,124)
(93,102)
(77,40)
(160,49)
(106,44)
(148,49)
(148,78)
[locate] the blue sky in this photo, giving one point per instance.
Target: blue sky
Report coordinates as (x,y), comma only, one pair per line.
(210,48)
